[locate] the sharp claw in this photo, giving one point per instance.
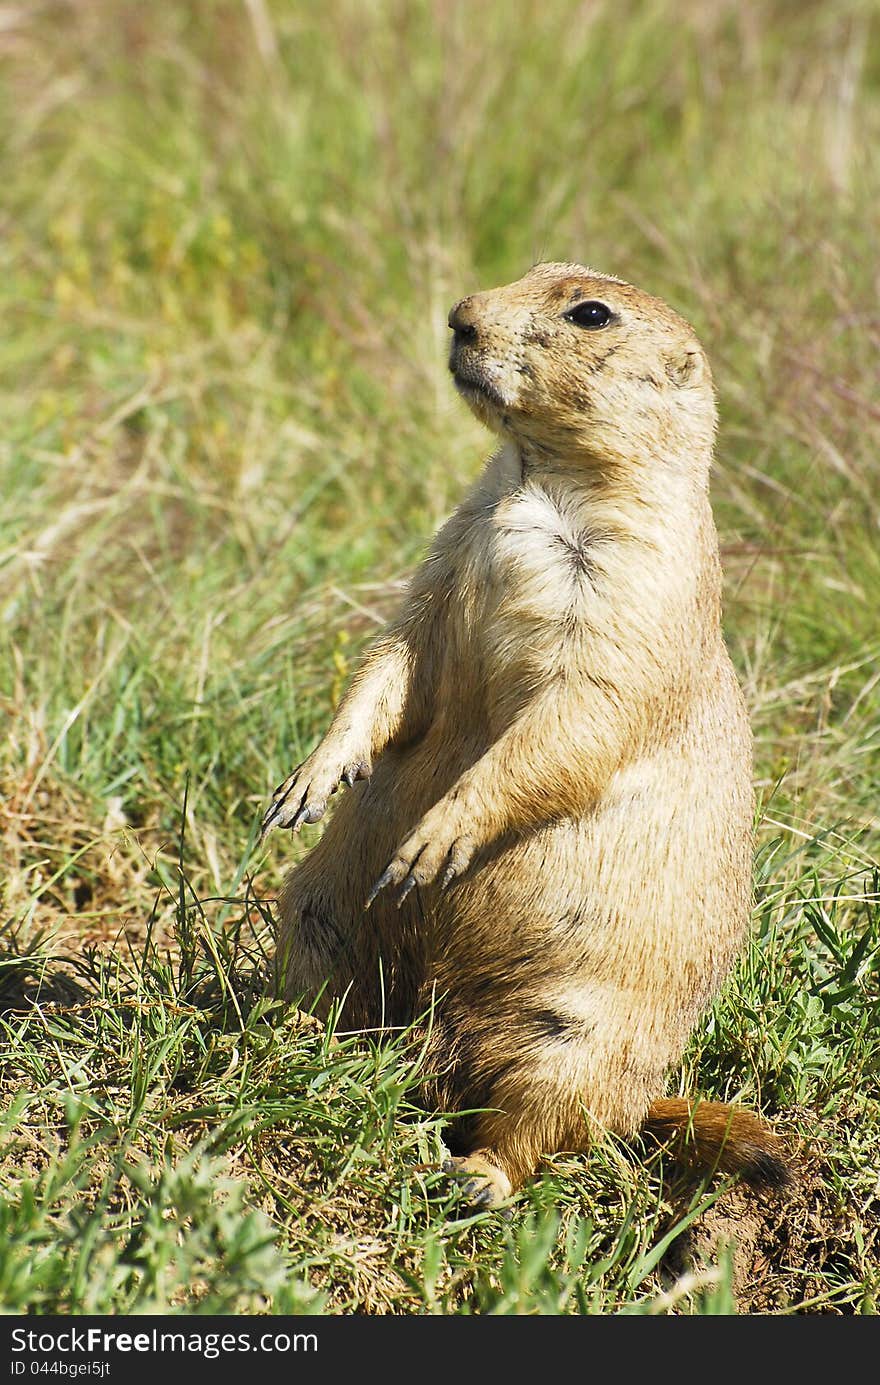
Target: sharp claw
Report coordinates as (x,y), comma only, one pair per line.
(310,811)
(447,877)
(294,821)
(279,803)
(385,879)
(270,819)
(476,1193)
(352,773)
(409,884)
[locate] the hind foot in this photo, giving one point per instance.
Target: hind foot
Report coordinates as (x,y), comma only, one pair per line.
(483,1185)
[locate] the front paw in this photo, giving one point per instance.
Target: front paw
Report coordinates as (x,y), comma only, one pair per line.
(483,1185)
(303,795)
(438,847)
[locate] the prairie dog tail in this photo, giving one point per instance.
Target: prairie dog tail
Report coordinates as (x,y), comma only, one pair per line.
(711,1135)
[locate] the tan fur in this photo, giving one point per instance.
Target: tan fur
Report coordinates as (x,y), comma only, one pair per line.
(548,751)
(711,1135)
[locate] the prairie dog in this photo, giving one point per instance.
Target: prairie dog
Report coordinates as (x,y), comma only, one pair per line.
(548,758)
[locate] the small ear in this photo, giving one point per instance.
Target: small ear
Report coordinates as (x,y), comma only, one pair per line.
(684,367)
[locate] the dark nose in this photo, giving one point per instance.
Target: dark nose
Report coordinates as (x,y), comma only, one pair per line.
(461,320)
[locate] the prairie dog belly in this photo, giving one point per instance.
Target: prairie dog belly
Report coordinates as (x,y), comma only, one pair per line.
(628,917)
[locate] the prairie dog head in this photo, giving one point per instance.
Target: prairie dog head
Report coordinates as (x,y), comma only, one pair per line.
(570,362)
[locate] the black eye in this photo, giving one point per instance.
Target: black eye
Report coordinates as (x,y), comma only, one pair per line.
(589,314)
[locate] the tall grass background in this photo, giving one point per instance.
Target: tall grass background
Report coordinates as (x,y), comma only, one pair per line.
(230,233)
